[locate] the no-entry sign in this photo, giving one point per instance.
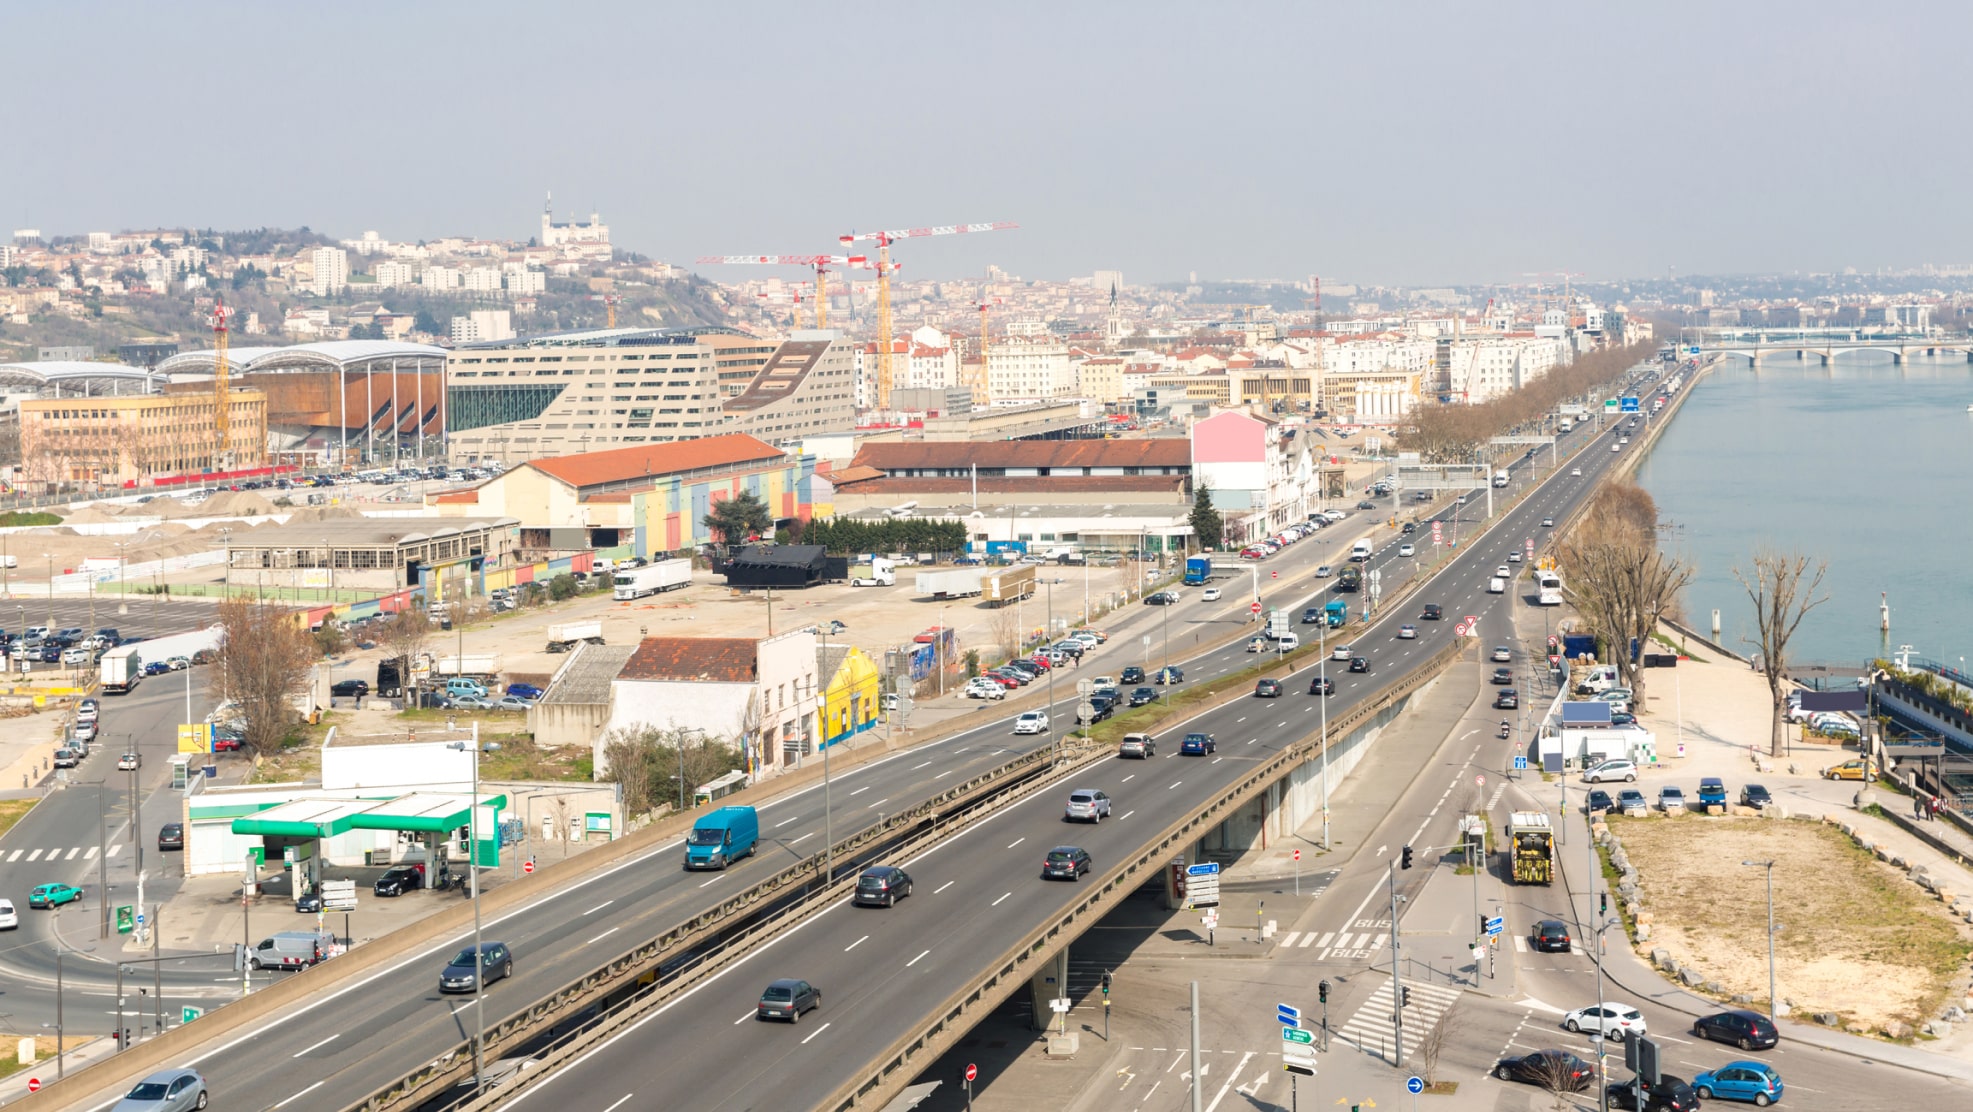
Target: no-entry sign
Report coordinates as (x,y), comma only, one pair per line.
(972,1072)
(527,866)
(1256,608)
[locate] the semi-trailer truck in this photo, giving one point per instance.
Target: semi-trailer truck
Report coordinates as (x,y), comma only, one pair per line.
(874,572)
(956,583)
(563,636)
(665,575)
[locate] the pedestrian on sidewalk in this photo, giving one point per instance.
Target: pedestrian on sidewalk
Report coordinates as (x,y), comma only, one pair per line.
(1917,806)
(1937,806)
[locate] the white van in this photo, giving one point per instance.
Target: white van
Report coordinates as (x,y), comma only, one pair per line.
(1360,551)
(1496,585)
(1288,642)
(1598,679)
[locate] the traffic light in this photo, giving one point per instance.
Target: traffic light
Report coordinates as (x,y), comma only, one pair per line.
(1322,992)
(1106,984)
(1407,858)
(1404,997)
(1603,903)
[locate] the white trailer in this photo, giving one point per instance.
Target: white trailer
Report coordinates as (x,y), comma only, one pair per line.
(956,583)
(563,636)
(121,669)
(472,664)
(665,575)
(874,572)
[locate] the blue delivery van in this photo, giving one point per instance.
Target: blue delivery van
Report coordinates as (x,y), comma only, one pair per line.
(722,837)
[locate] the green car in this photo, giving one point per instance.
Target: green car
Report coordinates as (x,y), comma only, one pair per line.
(53,895)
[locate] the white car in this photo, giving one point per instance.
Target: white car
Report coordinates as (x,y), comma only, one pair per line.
(1342,653)
(1504,572)
(1502,654)
(1575,472)
(1031,722)
(1609,1018)
(1514,557)
(9,918)
(985,689)
(1407,550)
(1210,594)
(1610,770)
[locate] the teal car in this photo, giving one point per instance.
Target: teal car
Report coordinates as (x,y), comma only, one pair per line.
(53,895)
(1750,1081)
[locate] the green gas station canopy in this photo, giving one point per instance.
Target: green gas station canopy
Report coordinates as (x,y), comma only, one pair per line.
(428,812)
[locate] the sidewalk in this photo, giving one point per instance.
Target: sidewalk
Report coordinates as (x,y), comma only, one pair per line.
(1719,708)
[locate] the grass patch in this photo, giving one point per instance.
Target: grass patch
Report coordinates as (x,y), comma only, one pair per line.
(44,1049)
(1855,936)
(12,811)
(17,518)
(1146,718)
(1678,648)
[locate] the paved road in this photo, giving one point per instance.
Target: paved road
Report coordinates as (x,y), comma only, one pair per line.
(879,970)
(402,1018)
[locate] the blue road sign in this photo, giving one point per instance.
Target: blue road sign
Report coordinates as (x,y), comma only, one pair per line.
(1496,925)
(1520,764)
(1414,1085)
(1209,868)
(1288,1014)
(1630,405)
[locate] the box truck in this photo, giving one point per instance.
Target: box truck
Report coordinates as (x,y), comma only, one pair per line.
(1500,478)
(563,636)
(665,575)
(121,669)
(1198,569)
(1009,585)
(722,837)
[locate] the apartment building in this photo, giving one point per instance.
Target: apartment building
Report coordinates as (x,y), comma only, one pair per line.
(1028,364)
(331,265)
(807,388)
(569,392)
(134,440)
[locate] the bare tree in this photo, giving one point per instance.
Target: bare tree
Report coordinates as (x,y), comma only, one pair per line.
(1426,1057)
(404,637)
(562,822)
(646,761)
(1783,587)
(1004,626)
(1555,1074)
(265,653)
(1618,578)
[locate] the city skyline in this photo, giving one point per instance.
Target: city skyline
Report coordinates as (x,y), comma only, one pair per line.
(1507,143)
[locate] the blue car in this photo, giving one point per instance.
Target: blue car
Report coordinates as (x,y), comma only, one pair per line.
(1196,745)
(524,690)
(1747,1080)
(156,668)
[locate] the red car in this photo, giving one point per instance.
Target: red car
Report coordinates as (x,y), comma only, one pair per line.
(222,744)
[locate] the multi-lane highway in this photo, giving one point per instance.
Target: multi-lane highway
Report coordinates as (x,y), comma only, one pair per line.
(880,971)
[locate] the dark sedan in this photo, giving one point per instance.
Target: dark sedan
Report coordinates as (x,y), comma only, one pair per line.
(1599,801)
(1754,795)
(460,973)
(348,688)
(171,836)
(1670,1094)
(1267,689)
(1508,699)
(1322,685)
(1550,936)
(1556,1069)
(1359,664)
(1142,696)
(1168,675)
(1132,674)
(1744,1029)
(1432,612)
(399,879)
(1312,615)
(1503,676)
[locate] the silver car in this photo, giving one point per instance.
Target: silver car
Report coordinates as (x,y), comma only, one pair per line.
(165,1091)
(1087,805)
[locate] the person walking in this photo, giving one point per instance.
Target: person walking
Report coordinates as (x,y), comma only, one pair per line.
(1918,807)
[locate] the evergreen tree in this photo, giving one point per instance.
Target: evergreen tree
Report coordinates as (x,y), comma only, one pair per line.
(736,519)
(1207,525)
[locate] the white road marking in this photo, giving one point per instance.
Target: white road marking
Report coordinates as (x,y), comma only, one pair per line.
(300,1095)
(604,935)
(1001,900)
(714,880)
(317,1046)
(1127,814)
(943,887)
(916,767)
(855,944)
(745,1018)
(879,803)
(810,834)
(113,851)
(620,1103)
(1173,784)
(861,790)
(1128,779)
(777,826)
(90,855)
(1017,841)
(818,1031)
(599,907)
(914,961)
(35,854)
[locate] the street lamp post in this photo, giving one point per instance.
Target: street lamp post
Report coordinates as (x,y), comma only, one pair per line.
(1773,1002)
(1050,584)
(1602,1075)
(472,874)
(50,557)
(1322,677)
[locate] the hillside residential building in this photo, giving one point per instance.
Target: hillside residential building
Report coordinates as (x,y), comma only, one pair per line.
(331,271)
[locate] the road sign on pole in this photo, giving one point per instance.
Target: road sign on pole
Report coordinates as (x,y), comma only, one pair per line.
(1256,608)
(188,1013)
(972,1072)
(1496,925)
(1288,1014)
(1297,1035)
(1481,779)
(1414,1085)
(1520,764)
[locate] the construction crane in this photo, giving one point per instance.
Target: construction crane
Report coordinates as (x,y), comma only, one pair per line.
(884,269)
(611,301)
(821,264)
(979,386)
(222,423)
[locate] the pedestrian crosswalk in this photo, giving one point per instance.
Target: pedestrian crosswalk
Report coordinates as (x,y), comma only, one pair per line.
(59,853)
(1326,941)
(1372,1029)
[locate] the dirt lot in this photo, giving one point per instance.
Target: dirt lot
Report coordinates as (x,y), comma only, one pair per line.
(1856,937)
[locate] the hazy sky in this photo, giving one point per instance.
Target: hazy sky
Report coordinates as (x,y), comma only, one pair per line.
(1389,142)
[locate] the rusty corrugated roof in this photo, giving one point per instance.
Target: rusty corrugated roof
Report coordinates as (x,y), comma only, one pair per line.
(693,660)
(1000,454)
(654,460)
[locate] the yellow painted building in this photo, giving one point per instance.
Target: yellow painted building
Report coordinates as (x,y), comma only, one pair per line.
(134,440)
(850,702)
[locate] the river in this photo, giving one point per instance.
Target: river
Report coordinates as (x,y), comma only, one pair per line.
(1865,465)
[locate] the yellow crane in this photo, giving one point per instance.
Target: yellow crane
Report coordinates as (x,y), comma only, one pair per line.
(884,269)
(222,419)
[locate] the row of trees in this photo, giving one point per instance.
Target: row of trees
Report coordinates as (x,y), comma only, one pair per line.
(1623,584)
(1456,433)
(846,535)
(646,762)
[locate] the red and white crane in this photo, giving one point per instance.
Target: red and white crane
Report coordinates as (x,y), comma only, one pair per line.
(884,269)
(820,263)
